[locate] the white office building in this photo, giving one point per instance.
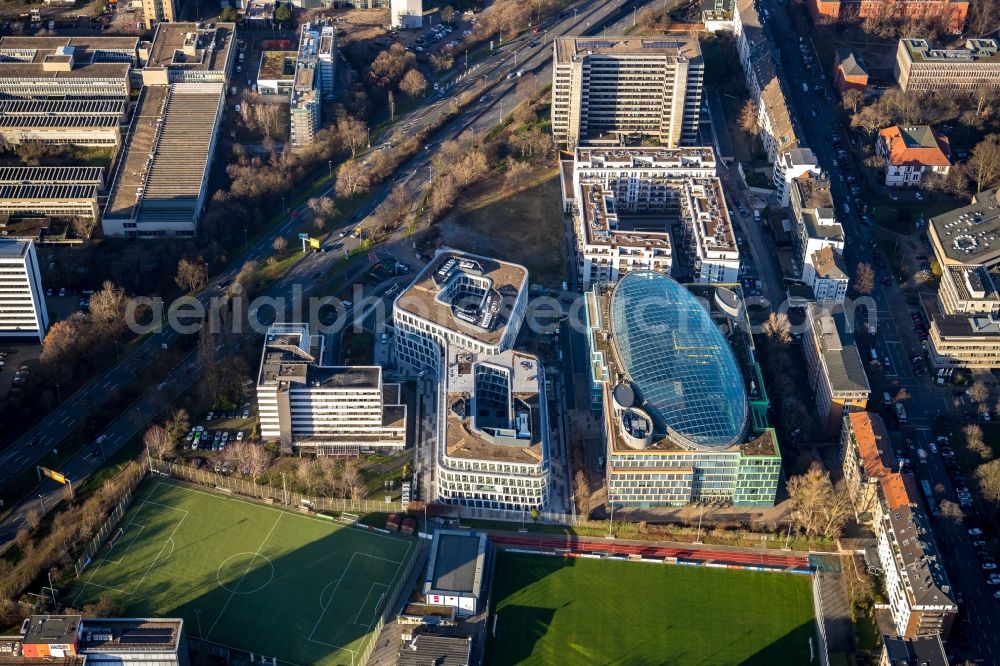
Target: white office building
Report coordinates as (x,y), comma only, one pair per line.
(22,301)
(626,90)
(627,203)
(406,14)
(459,319)
(327,410)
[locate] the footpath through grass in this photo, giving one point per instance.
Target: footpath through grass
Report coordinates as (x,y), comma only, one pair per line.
(555,610)
(273,582)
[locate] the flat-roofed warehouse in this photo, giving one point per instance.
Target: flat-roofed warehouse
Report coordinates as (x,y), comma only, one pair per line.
(66,67)
(159,187)
(50,191)
(455,570)
(79,122)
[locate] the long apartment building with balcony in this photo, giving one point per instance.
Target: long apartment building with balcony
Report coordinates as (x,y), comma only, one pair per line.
(970,69)
(22,301)
(965,318)
(648,208)
(326,410)
(457,323)
(626,90)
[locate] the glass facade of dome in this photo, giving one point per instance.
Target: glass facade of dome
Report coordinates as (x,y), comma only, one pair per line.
(679,362)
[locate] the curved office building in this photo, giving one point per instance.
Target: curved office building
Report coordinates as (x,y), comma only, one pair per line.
(678,362)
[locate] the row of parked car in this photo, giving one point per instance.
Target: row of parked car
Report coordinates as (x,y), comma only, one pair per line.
(212,440)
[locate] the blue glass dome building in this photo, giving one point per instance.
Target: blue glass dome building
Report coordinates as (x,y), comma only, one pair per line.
(678,361)
(680,395)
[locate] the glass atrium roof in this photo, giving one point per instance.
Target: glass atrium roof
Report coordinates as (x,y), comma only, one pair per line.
(678,360)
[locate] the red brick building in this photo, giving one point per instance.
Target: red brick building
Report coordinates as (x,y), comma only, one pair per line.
(953,11)
(849,71)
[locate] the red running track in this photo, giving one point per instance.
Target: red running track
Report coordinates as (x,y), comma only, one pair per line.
(610,547)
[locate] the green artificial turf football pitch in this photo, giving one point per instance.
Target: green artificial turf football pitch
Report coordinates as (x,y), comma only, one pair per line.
(276,583)
(554,610)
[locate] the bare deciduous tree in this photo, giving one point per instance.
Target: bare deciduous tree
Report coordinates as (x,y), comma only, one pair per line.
(777,328)
(279,244)
(191,274)
(158,441)
(864,279)
(413,84)
(817,507)
(984,163)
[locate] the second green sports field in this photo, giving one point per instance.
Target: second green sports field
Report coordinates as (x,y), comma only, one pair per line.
(268,581)
(554,610)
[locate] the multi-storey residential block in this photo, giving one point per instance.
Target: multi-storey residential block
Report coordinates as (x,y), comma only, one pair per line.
(911,154)
(920,597)
(459,319)
(683,406)
(867,457)
(971,69)
(327,410)
(762,72)
(78,122)
(22,302)
(951,13)
(836,373)
(919,651)
(158,11)
(965,321)
(626,90)
(814,222)
(406,14)
(73,640)
(628,201)
(830,279)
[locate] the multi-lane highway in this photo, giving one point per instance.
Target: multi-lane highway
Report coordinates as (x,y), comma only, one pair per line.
(532,53)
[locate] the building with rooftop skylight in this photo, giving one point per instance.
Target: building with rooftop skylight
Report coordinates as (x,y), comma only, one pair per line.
(681,397)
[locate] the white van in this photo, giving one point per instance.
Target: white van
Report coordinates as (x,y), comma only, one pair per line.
(874,355)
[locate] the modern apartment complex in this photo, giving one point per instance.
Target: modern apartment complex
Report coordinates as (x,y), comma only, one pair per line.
(326,410)
(626,90)
(458,320)
(912,153)
(814,223)
(836,372)
(680,395)
(965,320)
(629,203)
(22,301)
(950,12)
(314,77)
(975,67)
